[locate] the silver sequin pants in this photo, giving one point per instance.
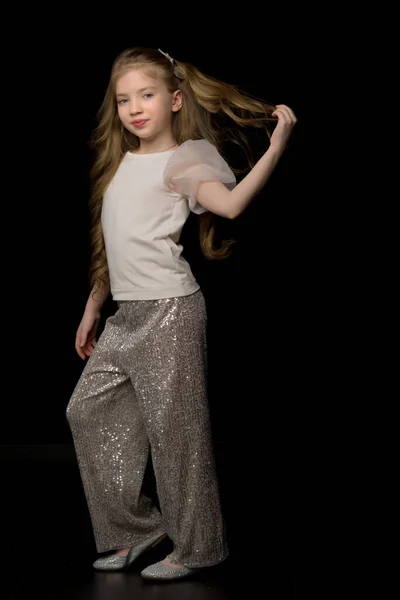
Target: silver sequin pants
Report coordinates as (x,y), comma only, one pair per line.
(145,389)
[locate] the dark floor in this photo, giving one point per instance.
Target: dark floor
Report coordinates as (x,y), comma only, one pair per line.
(48,547)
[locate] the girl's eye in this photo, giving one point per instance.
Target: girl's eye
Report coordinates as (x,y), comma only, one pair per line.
(124,100)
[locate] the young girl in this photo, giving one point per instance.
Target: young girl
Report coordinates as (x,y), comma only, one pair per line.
(144,387)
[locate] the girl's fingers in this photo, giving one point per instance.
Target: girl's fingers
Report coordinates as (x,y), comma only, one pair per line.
(92,342)
(80,345)
(288,111)
(89,349)
(79,351)
(282,115)
(277,113)
(285,112)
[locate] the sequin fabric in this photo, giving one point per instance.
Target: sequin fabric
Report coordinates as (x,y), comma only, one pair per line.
(161,571)
(145,389)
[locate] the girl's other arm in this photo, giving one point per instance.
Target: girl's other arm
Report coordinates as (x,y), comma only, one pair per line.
(85,340)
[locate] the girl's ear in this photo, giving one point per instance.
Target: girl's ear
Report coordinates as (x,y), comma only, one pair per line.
(176,101)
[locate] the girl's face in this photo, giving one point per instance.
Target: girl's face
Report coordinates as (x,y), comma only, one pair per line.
(145,105)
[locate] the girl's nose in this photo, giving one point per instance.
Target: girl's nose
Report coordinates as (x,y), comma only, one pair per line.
(134,108)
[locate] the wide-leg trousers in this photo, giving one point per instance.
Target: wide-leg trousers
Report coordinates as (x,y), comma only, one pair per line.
(144,389)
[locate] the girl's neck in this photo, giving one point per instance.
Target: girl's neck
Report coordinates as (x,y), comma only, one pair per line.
(155,147)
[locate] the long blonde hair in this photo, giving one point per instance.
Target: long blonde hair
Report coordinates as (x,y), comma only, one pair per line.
(204,98)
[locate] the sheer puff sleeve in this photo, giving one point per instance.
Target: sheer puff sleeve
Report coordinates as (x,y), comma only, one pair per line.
(192,163)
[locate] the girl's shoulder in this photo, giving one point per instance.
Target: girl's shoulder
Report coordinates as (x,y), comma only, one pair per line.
(194,150)
(199,142)
(197,160)
(194,146)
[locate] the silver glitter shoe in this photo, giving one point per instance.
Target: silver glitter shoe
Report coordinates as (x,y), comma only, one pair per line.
(164,572)
(118,563)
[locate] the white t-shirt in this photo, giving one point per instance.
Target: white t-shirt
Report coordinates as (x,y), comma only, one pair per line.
(144,210)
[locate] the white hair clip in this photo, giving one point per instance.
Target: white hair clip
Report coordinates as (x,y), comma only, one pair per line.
(178,72)
(167,56)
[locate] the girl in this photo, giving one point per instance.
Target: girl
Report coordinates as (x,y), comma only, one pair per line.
(144,387)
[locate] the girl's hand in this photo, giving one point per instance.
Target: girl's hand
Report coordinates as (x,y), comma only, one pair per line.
(286,121)
(85,340)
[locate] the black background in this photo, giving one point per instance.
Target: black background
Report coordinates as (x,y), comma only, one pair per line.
(289,389)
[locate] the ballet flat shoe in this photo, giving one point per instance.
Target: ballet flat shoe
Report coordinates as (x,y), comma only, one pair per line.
(119,563)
